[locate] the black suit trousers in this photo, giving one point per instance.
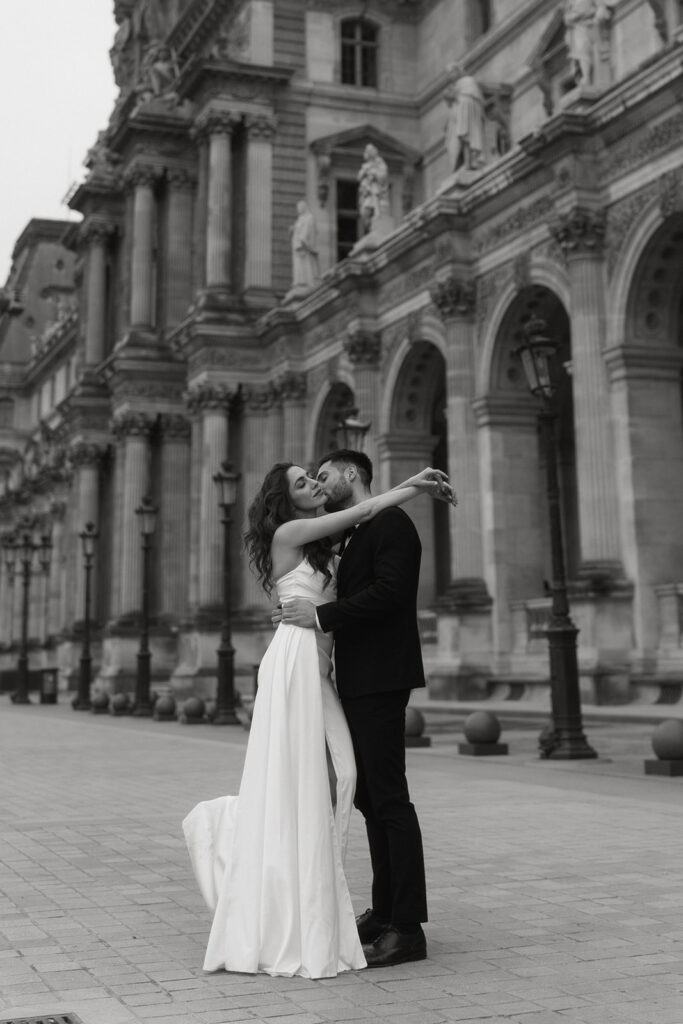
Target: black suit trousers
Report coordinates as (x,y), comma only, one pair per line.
(377,725)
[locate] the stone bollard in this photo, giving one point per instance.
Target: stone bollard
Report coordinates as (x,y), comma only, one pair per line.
(165,709)
(194,712)
(121,704)
(482,730)
(99,702)
(415,724)
(667,743)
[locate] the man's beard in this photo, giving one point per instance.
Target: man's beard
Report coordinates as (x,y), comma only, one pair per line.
(338,499)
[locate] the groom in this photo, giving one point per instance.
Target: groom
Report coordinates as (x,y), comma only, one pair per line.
(378,662)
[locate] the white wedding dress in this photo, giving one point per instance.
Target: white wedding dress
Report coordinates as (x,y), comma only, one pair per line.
(269,861)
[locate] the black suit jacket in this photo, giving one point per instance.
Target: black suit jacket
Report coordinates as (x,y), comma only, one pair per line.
(374,619)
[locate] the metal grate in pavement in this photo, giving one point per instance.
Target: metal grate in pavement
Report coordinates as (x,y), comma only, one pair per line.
(45,1018)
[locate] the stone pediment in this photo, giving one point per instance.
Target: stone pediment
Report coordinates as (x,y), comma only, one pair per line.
(348,146)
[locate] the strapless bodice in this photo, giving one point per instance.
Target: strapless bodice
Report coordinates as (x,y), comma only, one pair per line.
(305,581)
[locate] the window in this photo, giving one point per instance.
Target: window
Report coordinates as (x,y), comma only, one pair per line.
(348,219)
(359,44)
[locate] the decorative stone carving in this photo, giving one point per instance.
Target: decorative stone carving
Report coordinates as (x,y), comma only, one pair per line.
(260,126)
(84,453)
(101,161)
(202,397)
(466,125)
(131,424)
(520,220)
(96,229)
(216,122)
(232,39)
(454,297)
(581,232)
(363,347)
(141,175)
(180,179)
(671,193)
(291,386)
(173,426)
(521,271)
(305,268)
(261,399)
(663,136)
(373,200)
(587,25)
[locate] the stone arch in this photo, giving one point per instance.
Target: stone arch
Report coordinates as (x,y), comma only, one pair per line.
(330,408)
(428,328)
(635,243)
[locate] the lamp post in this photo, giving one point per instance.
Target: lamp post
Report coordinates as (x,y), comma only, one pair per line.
(567,741)
(24,548)
(88,537)
(226,482)
(9,557)
(352,429)
(147,511)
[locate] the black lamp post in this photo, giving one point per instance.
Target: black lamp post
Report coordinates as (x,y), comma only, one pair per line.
(10,558)
(352,429)
(226,482)
(88,536)
(24,548)
(567,741)
(147,511)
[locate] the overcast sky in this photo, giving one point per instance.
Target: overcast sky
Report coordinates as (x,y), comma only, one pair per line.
(57,91)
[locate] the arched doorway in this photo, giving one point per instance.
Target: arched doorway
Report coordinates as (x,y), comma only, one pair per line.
(337,402)
(417,437)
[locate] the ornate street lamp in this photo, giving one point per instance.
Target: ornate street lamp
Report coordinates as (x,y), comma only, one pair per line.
(567,741)
(25,547)
(226,482)
(10,558)
(352,429)
(88,536)
(147,511)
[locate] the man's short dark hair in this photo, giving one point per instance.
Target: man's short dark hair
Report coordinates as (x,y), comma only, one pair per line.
(349,457)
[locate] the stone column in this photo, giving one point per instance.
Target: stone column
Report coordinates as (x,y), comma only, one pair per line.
(260,133)
(454,299)
(292,389)
(173,527)
(213,402)
(96,233)
(7,586)
(85,459)
(55,622)
(580,234)
(218,126)
(142,181)
(178,276)
(363,349)
(261,440)
(132,431)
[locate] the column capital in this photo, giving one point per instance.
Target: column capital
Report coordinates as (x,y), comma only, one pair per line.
(96,229)
(261,399)
(291,386)
(216,122)
(260,126)
(210,397)
(181,179)
(85,453)
(131,424)
(141,175)
(580,232)
(173,426)
(362,346)
(454,297)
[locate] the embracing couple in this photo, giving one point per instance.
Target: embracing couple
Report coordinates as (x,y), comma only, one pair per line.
(269,862)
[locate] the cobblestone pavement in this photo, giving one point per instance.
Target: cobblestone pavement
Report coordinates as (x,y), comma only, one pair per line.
(556,889)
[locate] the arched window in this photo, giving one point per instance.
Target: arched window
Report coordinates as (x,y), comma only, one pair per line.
(359,48)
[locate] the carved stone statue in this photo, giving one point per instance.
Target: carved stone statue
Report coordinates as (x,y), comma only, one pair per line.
(373,187)
(585,22)
(121,54)
(465,135)
(305,271)
(159,75)
(100,160)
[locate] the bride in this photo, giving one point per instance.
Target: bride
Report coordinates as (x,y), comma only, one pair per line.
(269,861)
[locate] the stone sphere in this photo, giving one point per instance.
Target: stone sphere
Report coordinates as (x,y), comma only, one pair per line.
(99,699)
(667,740)
(165,705)
(194,707)
(481,727)
(415,722)
(120,701)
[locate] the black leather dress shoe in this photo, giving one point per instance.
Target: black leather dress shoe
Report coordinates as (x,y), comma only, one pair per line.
(394,947)
(370,927)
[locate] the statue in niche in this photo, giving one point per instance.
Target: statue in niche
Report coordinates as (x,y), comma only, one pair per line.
(305,270)
(586,24)
(373,187)
(160,73)
(465,135)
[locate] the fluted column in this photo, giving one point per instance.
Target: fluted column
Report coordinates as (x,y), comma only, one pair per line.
(178,277)
(261,438)
(85,459)
(363,349)
(454,299)
(96,233)
(291,388)
(580,234)
(142,181)
(173,529)
(260,135)
(132,431)
(213,402)
(55,623)
(218,127)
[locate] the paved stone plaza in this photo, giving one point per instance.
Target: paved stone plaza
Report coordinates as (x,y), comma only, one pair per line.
(556,889)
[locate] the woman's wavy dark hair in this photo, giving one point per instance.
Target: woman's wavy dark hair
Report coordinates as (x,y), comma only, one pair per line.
(272,507)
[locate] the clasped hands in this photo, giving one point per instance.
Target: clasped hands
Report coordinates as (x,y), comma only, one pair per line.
(434,482)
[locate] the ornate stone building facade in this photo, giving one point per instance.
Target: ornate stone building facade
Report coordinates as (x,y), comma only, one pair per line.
(531,165)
